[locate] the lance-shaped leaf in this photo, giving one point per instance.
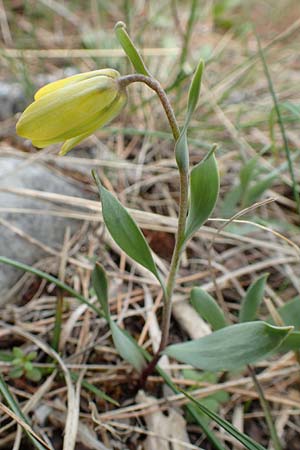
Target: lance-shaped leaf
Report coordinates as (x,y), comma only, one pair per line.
(130,49)
(253,299)
(124,343)
(127,347)
(290,312)
(194,91)
(204,192)
(208,309)
(100,284)
(291,343)
(181,147)
(231,347)
(124,230)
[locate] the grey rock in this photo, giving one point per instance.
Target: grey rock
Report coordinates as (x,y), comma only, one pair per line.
(13,95)
(50,230)
(12,99)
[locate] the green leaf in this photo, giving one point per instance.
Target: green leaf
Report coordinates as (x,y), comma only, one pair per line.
(31,356)
(291,343)
(124,230)
(194,91)
(204,426)
(182,151)
(16,372)
(90,387)
(51,279)
(124,343)
(181,147)
(204,193)
(130,49)
(247,172)
(28,366)
(207,308)
(249,443)
(254,192)
(100,284)
(231,347)
(34,374)
(230,202)
(6,356)
(290,312)
(253,299)
(127,347)
(18,352)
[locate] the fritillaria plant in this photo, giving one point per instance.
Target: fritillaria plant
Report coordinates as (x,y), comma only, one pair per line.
(71,109)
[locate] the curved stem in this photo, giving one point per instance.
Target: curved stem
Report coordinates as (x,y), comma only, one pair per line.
(155,86)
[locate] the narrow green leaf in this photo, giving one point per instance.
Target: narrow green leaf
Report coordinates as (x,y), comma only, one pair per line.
(200,419)
(182,151)
(127,347)
(207,308)
(34,374)
(124,343)
(130,49)
(51,279)
(290,312)
(247,171)
(181,146)
(124,230)
(204,187)
(16,372)
(255,192)
(291,343)
(230,202)
(253,299)
(14,406)
(100,284)
(90,387)
(231,347)
(249,443)
(194,91)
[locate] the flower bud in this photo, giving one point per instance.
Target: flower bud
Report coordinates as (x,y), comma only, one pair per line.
(71,109)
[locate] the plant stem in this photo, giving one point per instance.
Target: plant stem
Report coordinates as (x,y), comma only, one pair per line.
(155,86)
(178,249)
(182,215)
(266,409)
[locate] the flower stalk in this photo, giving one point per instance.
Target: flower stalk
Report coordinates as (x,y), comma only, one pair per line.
(182,215)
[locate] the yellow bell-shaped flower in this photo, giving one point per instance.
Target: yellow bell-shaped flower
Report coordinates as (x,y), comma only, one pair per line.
(71,109)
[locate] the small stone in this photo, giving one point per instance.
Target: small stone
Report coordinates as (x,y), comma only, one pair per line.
(50,230)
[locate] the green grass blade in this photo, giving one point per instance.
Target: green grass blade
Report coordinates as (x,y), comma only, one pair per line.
(51,279)
(249,443)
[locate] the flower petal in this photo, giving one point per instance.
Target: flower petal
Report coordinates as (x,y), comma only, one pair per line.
(111,112)
(70,143)
(68,111)
(51,87)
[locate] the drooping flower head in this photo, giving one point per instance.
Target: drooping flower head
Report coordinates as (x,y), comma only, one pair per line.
(71,109)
